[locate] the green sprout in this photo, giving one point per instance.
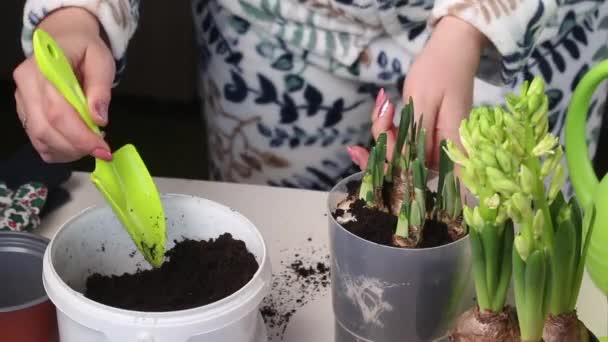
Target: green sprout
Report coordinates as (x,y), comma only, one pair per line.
(373,178)
(406,176)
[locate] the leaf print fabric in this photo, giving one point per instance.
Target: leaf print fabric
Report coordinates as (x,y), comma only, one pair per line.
(119,19)
(20,209)
(287,84)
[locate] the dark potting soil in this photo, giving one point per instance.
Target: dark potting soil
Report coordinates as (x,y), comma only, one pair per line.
(379,227)
(196,273)
(371,224)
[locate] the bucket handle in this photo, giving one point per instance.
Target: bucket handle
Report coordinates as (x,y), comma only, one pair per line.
(582,174)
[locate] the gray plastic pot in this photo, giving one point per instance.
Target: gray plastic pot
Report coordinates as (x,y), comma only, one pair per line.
(388,294)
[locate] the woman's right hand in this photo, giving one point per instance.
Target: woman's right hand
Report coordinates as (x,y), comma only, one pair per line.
(52,124)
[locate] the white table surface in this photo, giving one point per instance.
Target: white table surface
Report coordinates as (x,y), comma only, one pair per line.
(288,219)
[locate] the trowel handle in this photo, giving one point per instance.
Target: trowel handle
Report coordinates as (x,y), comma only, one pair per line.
(582,174)
(55,66)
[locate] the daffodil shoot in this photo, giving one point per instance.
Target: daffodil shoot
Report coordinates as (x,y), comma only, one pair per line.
(393,204)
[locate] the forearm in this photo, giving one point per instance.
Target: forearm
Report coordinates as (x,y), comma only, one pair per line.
(512,29)
(117,18)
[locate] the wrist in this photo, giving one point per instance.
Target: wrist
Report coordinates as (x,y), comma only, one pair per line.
(467,35)
(71,19)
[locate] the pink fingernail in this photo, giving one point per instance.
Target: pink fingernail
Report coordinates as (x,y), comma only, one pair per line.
(102,110)
(102,153)
(350,152)
(381,97)
(384,108)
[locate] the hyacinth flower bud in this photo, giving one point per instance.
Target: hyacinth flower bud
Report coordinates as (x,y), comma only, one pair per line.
(534,103)
(504,160)
(522,246)
(465,136)
(455,153)
(478,220)
(522,204)
(557,181)
(488,158)
(538,224)
(526,179)
(500,182)
(497,134)
(545,146)
(484,126)
(551,162)
(536,87)
(470,180)
(541,129)
(541,111)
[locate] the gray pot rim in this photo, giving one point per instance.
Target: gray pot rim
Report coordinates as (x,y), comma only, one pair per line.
(464,239)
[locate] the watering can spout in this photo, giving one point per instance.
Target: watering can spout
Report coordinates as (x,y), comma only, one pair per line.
(582,175)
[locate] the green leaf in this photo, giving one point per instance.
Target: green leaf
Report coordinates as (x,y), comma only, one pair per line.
(535,279)
(563,265)
(588,226)
(415,215)
(519,284)
(406,117)
(489,240)
(418,170)
(421,147)
(506,267)
(577,221)
(445,165)
(479,270)
(258,13)
(558,204)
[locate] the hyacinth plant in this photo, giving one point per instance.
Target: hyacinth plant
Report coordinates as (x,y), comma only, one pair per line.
(399,187)
(522,165)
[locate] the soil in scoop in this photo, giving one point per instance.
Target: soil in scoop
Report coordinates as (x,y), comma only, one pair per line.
(196,273)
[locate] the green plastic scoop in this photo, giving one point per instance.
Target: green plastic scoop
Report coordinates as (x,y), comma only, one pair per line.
(125,182)
(589,190)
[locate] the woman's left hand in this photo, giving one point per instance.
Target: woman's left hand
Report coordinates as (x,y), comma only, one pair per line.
(440,82)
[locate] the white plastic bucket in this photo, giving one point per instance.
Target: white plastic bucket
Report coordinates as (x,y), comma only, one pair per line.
(94,241)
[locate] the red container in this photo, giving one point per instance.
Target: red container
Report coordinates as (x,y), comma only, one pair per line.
(26,313)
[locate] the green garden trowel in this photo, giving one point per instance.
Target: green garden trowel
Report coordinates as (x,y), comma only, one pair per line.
(125,181)
(589,190)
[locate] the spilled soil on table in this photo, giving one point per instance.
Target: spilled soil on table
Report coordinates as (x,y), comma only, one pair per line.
(196,273)
(303,276)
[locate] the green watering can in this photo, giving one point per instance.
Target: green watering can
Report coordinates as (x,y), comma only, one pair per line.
(589,190)
(125,181)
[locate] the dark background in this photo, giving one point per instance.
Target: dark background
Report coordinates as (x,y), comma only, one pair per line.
(155,107)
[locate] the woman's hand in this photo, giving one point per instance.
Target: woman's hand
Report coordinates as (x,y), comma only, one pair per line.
(53,126)
(440,82)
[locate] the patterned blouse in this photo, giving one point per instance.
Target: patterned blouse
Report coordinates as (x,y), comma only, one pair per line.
(340,30)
